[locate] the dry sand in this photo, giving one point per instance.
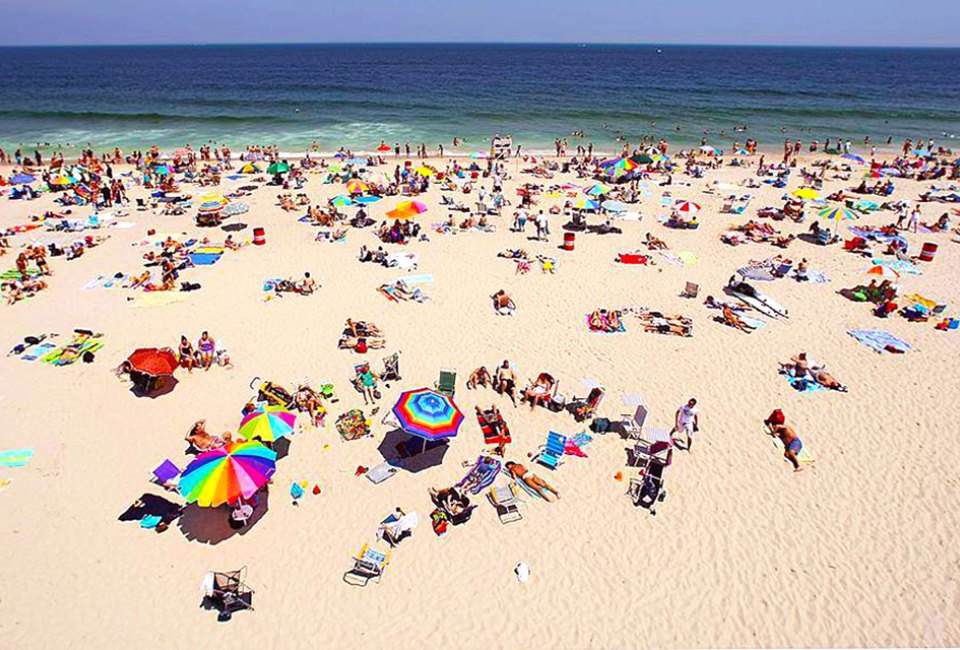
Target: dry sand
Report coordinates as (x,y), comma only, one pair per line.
(859,550)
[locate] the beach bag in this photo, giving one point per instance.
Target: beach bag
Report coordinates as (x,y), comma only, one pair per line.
(88,357)
(600,425)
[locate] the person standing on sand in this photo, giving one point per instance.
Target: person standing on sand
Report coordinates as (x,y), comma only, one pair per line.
(687,421)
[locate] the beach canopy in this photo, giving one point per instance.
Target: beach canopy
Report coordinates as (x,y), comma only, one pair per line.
(225,475)
(837,213)
(407,210)
(687,207)
(268,423)
(427,414)
(278,168)
(156,362)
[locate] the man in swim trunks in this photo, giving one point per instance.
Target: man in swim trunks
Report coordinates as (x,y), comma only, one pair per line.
(506,381)
(792,445)
(543,489)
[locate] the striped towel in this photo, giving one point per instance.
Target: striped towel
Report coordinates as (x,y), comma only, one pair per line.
(15,457)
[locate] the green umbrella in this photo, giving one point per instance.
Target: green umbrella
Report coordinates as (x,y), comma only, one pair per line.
(278,168)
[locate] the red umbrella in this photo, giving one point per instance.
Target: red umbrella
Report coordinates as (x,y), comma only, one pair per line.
(156,362)
(383,147)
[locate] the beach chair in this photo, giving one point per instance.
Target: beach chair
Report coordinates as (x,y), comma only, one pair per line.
(632,424)
(781,270)
(165,475)
(506,501)
(692,290)
(391,368)
(584,408)
(447,384)
(382,472)
(551,454)
(649,489)
(226,592)
(367,565)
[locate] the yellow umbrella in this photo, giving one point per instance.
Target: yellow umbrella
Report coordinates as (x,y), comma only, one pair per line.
(62,180)
(806,193)
(425,171)
(214,198)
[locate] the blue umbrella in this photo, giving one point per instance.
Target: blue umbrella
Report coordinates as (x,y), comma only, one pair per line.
(614,206)
(366,199)
(854,157)
(22,179)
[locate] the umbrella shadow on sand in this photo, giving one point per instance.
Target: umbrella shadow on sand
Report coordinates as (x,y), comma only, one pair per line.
(401,449)
(212,525)
(154,387)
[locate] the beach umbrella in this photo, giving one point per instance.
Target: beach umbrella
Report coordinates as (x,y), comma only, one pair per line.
(342,201)
(707,149)
(366,199)
(407,210)
(478,155)
(340,154)
(806,193)
(837,213)
(585,204)
(890,171)
(224,475)
(614,206)
(356,186)
(427,414)
(687,207)
(250,168)
(278,168)
(383,148)
(62,181)
(424,171)
(210,207)
(854,157)
(156,362)
(643,159)
(597,189)
(268,424)
(233,209)
(21,179)
(162,170)
(884,272)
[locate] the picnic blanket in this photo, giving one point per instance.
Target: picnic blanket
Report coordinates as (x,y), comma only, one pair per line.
(880,341)
(15,457)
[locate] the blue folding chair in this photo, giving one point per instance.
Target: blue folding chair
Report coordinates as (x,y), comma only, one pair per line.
(551,455)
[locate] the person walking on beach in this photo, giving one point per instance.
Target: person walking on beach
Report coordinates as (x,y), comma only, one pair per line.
(687,421)
(914,224)
(792,445)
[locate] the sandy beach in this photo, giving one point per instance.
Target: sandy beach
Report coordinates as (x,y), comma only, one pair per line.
(856,550)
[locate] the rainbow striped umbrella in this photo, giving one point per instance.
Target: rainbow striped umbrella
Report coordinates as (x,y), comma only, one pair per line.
(268,423)
(597,189)
(236,470)
(837,213)
(356,186)
(427,414)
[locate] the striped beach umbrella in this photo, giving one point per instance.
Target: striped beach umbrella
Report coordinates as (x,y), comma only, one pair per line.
(837,213)
(268,424)
(585,204)
(236,470)
(341,201)
(884,272)
(686,207)
(597,189)
(427,414)
(356,186)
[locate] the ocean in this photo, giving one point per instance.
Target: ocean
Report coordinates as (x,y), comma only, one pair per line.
(357,95)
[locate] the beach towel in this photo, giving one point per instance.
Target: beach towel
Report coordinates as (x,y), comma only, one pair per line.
(880,341)
(586,319)
(581,439)
(114,281)
(204,259)
(482,475)
(760,273)
(900,266)
(425,278)
(14,274)
(755,323)
(802,385)
(15,457)
(96,282)
(37,351)
(687,257)
(816,277)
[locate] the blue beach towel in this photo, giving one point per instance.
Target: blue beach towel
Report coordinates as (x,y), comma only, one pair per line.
(880,341)
(204,259)
(15,457)
(38,351)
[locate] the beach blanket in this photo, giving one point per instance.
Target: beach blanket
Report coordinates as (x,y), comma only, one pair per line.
(900,266)
(586,319)
(481,475)
(14,274)
(755,323)
(880,341)
(15,457)
(37,351)
(204,258)
(804,385)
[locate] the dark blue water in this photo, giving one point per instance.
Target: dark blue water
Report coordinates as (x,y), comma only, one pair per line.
(356,95)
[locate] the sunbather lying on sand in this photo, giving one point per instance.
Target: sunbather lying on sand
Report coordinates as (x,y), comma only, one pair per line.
(736,305)
(655,321)
(514,254)
(602,320)
(801,367)
(546,491)
(449,500)
(731,319)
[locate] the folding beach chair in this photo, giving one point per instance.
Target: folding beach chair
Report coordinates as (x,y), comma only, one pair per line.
(166,474)
(692,290)
(648,490)
(447,384)
(226,592)
(584,408)
(368,565)
(551,454)
(391,368)
(507,503)
(633,424)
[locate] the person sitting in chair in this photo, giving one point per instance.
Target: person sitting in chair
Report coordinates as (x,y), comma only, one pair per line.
(479,377)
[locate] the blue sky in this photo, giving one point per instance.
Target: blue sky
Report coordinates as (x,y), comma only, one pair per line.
(798,22)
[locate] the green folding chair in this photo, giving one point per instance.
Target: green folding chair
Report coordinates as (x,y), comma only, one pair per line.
(447,385)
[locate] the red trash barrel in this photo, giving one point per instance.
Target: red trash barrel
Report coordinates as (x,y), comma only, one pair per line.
(928,252)
(259,236)
(569,239)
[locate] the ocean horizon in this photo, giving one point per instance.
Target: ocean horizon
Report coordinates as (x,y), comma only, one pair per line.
(357,94)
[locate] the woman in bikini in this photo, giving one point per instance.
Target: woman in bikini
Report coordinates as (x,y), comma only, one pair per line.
(543,489)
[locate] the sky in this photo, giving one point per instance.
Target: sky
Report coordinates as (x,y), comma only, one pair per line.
(932,23)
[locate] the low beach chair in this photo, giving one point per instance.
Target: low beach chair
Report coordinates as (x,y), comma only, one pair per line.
(506,500)
(551,454)
(226,592)
(633,423)
(447,384)
(367,565)
(648,490)
(391,368)
(165,475)
(692,290)
(584,408)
